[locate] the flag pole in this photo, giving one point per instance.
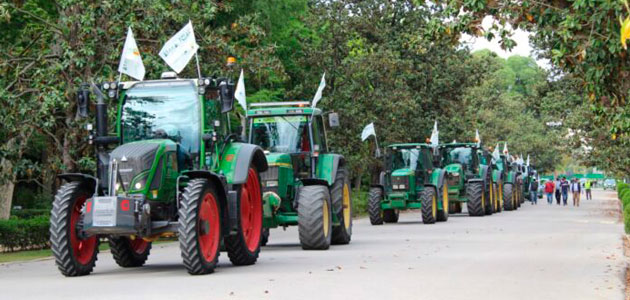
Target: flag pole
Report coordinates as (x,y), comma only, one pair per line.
(378,149)
(198,68)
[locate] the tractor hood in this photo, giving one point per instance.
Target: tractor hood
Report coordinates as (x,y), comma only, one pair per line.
(278,159)
(453,168)
(402,172)
(138,163)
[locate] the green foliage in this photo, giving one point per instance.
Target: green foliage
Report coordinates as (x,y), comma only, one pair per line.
(29,213)
(21,234)
(626,218)
(622,186)
(359,203)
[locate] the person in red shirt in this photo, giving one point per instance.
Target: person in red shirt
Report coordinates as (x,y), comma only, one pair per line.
(549,188)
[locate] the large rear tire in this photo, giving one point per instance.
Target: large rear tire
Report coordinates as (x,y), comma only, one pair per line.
(428,199)
(74,255)
(442,214)
(314,217)
(508,197)
(374,206)
(200,227)
(244,246)
(476,202)
(129,253)
(342,208)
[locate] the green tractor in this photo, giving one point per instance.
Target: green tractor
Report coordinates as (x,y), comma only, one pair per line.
(469,181)
(509,176)
(306,184)
(486,158)
(410,181)
(172,168)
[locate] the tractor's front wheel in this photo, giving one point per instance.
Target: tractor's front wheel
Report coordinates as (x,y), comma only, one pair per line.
(442,215)
(314,217)
(75,254)
(374,206)
(454,208)
(265,237)
(391,215)
(200,227)
(476,202)
(129,253)
(499,197)
(342,208)
(508,197)
(243,247)
(429,205)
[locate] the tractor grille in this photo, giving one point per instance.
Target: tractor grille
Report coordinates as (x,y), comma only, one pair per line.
(400,183)
(453,180)
(133,158)
(267,177)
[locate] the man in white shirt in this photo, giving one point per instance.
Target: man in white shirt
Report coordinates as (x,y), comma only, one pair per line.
(576,189)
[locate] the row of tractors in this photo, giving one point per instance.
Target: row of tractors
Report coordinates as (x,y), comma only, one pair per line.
(440,179)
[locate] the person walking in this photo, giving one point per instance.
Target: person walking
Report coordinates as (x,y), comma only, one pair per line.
(576,189)
(558,188)
(533,191)
(587,188)
(565,190)
(549,187)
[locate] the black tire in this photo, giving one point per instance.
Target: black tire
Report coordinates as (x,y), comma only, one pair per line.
(442,214)
(508,197)
(67,199)
(475,204)
(236,245)
(499,203)
(190,228)
(342,233)
(314,217)
(374,206)
(391,215)
(428,198)
(489,197)
(265,237)
(124,253)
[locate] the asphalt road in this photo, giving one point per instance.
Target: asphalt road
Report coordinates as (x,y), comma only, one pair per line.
(537,252)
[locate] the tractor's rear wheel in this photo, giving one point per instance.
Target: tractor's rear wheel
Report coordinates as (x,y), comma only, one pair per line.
(265,237)
(243,247)
(391,215)
(429,205)
(74,254)
(129,253)
(314,217)
(342,208)
(508,197)
(442,214)
(374,206)
(489,197)
(200,227)
(476,202)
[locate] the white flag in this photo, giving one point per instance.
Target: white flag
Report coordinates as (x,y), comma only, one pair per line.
(178,50)
(505,149)
(239,93)
(130,59)
(320,89)
(528,160)
(435,135)
(495,154)
(368,131)
(477,138)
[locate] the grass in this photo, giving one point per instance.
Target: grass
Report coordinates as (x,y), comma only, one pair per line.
(359,202)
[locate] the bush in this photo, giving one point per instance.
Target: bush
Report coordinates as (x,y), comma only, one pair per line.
(30,213)
(359,203)
(626,218)
(622,193)
(626,199)
(22,234)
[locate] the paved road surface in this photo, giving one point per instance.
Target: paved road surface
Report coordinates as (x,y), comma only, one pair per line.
(537,252)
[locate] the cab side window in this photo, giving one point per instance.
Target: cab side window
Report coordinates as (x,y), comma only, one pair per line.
(319,135)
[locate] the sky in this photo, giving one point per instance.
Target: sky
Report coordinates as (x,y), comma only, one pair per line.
(522,48)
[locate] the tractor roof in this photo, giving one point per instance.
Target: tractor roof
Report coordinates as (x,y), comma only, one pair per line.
(455,145)
(409,145)
(282,108)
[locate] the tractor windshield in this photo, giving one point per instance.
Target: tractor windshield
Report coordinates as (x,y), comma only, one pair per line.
(405,159)
(283,134)
(162,110)
(459,155)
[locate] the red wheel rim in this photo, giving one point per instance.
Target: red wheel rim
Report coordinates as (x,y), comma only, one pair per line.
(251,211)
(139,245)
(82,249)
(208,227)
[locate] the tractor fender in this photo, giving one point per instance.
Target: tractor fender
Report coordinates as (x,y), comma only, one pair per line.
(437,178)
(327,166)
(226,199)
(89,180)
(236,159)
(483,172)
(381,179)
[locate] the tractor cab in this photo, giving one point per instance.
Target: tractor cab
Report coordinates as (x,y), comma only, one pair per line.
(461,160)
(408,169)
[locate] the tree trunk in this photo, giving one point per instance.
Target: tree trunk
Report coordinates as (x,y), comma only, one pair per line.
(6,189)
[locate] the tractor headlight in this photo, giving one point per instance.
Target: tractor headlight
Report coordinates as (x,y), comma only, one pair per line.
(395,186)
(106,86)
(272,183)
(140,182)
(401,187)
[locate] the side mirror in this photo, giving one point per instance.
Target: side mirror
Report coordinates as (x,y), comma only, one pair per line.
(333,120)
(83,96)
(226,94)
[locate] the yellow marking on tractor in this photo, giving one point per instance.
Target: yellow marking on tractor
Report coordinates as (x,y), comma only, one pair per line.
(346,206)
(326,218)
